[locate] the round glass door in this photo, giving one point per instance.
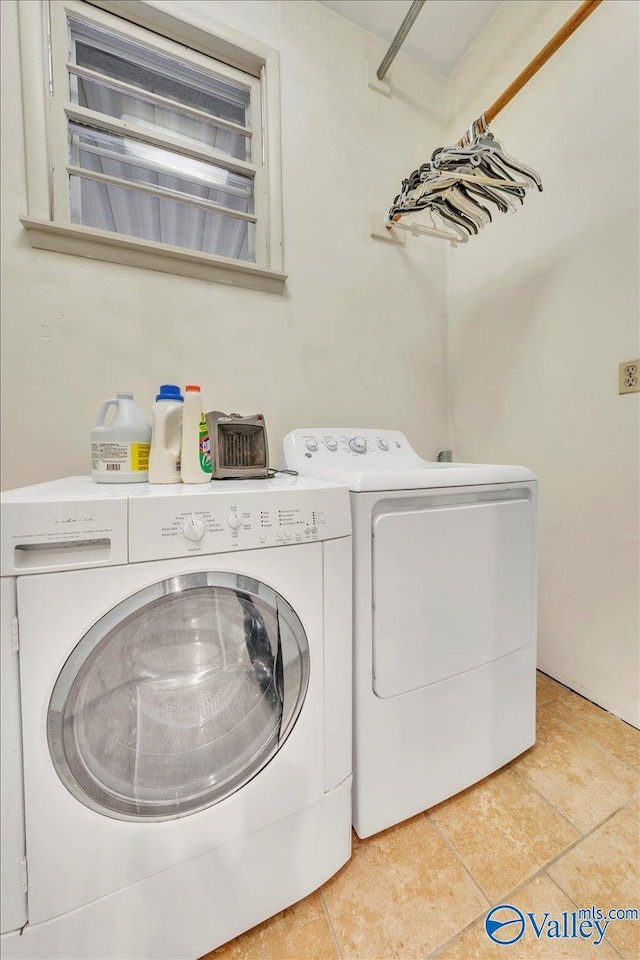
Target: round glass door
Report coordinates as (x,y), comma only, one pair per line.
(178,696)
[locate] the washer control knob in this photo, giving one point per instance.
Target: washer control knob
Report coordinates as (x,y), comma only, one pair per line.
(234,521)
(193,529)
(358,445)
(383,444)
(311,444)
(331,444)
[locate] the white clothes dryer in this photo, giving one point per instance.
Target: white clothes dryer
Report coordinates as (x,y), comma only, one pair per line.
(444,559)
(178,685)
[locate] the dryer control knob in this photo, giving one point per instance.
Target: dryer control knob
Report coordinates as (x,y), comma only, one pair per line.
(358,445)
(193,529)
(234,521)
(311,444)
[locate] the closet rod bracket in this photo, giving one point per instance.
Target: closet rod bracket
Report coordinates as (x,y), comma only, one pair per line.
(381,230)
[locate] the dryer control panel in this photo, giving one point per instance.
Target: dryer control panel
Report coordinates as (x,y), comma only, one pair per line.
(349,449)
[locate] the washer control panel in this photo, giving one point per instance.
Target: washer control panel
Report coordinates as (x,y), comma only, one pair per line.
(193,529)
(75,523)
(221,521)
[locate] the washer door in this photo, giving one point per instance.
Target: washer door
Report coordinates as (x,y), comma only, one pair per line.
(178,696)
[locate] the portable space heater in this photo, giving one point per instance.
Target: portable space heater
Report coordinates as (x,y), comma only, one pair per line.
(239,447)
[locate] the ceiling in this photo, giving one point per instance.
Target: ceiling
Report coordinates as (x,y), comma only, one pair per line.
(440,37)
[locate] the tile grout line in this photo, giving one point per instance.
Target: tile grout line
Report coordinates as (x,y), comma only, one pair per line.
(471,877)
(476,920)
(594,743)
(557,696)
(583,696)
(457,856)
(528,783)
(550,863)
(470,926)
(507,899)
(329,919)
(543,870)
(570,898)
(572,846)
(513,767)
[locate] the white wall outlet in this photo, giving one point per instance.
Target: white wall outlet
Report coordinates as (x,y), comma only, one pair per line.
(629,376)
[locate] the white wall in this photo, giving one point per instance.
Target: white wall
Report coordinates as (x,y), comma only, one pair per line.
(359,336)
(542,307)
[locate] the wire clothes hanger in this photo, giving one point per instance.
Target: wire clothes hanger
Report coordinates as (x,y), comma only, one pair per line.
(461,185)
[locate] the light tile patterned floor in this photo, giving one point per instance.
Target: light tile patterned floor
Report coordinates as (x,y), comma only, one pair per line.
(557,830)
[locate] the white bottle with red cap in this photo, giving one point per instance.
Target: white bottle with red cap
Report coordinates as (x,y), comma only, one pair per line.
(196,449)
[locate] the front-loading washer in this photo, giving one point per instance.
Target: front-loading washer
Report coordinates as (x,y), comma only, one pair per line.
(176,711)
(444,563)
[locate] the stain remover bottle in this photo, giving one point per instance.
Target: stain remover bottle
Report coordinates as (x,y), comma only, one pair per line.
(196,449)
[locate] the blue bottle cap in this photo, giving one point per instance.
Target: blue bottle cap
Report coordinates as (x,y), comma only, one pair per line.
(169,391)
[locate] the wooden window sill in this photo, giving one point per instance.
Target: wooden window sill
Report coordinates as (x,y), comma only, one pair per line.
(133,252)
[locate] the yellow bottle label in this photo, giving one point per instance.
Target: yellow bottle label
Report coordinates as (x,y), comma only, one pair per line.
(140,457)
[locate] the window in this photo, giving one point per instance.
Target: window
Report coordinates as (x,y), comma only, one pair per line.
(158,153)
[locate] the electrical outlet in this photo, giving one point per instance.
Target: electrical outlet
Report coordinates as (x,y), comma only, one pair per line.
(629,376)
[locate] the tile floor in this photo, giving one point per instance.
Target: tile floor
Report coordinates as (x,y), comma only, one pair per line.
(555,830)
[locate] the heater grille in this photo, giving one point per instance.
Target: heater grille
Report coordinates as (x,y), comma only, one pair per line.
(240,446)
(236,450)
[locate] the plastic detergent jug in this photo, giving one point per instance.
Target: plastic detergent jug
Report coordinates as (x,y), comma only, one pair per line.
(120,451)
(166,435)
(196,448)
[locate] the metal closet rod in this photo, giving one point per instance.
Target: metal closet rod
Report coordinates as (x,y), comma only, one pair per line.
(399,38)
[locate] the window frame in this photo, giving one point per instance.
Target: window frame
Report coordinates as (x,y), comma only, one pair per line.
(48,110)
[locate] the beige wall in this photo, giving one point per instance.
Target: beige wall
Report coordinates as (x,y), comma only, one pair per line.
(359,336)
(542,308)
